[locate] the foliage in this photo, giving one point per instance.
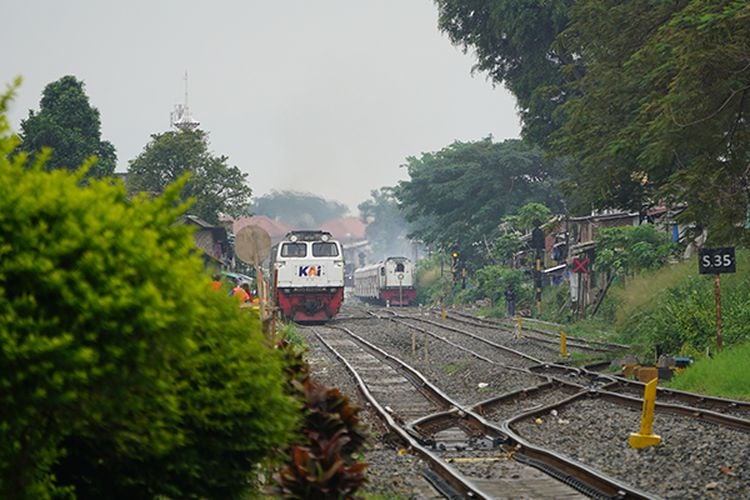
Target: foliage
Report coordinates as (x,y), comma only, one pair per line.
(513,226)
(68,124)
(531,215)
(628,250)
(300,210)
(386,227)
(233,416)
(556,303)
(215,187)
(505,247)
(457,196)
(110,337)
(324,465)
(726,374)
(433,280)
(680,316)
(660,113)
(492,281)
(515,43)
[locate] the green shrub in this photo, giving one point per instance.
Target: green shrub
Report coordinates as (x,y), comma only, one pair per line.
(432,287)
(111,339)
(726,374)
(674,308)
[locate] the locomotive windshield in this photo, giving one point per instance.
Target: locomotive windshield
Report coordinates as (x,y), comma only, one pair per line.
(325,249)
(294,250)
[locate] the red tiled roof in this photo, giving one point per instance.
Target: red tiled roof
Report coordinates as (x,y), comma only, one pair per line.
(275,229)
(346,229)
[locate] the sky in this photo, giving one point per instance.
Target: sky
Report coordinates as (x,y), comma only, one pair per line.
(328,97)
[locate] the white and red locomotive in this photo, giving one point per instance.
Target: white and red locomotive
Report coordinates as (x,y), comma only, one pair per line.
(388,282)
(308,276)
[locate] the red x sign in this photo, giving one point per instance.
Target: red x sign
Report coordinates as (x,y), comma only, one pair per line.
(580,265)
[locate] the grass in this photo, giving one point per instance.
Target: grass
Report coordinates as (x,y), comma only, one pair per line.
(639,292)
(451,368)
(727,374)
(289,332)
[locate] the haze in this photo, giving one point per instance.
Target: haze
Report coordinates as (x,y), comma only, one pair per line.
(327,97)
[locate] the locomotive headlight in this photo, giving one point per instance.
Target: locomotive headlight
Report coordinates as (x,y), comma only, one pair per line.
(293,238)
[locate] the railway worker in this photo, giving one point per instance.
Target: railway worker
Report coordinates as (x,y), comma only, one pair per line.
(216,283)
(510,299)
(246,286)
(240,293)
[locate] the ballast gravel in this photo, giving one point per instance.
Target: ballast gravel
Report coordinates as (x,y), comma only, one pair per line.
(694,460)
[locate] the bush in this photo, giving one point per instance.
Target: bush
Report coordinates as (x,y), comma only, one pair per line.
(675,309)
(113,346)
(432,288)
(724,375)
(493,280)
(324,464)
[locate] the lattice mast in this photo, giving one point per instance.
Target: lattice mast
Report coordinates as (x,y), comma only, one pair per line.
(181,118)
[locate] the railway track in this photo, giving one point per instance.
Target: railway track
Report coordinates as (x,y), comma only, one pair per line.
(550,339)
(604,407)
(458,442)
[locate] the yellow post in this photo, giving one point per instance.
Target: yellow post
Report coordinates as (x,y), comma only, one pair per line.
(519,327)
(563,344)
(445,313)
(645,437)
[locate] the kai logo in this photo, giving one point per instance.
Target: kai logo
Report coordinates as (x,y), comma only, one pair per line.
(309,271)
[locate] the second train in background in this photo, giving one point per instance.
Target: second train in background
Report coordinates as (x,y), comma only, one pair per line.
(390,282)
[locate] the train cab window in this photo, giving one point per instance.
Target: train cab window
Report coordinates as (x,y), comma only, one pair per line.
(400,267)
(325,249)
(382,271)
(294,250)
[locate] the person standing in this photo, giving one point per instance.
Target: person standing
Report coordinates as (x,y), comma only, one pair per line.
(510,300)
(216,283)
(240,294)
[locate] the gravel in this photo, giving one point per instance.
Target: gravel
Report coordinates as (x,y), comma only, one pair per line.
(391,471)
(695,460)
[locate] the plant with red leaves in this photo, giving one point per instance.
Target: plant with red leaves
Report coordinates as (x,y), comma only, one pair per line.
(324,466)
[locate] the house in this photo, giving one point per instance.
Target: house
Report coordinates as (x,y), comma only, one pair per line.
(211,240)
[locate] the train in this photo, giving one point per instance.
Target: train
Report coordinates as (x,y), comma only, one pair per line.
(307,280)
(390,282)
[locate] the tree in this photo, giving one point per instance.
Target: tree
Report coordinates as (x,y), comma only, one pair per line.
(660,115)
(215,187)
(516,43)
(112,339)
(387,229)
(628,250)
(68,124)
(513,226)
(458,195)
(301,210)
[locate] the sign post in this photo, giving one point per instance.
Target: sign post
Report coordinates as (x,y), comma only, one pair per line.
(537,243)
(580,268)
(717,261)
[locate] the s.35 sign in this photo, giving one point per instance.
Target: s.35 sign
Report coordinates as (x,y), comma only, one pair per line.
(716,260)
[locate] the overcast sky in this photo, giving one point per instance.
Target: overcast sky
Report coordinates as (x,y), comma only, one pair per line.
(325,96)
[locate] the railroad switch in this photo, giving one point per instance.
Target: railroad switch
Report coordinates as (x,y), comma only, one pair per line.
(487,442)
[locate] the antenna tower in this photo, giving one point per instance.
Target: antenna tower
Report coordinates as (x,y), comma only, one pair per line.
(181,118)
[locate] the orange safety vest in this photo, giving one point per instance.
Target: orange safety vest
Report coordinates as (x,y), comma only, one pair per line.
(240,293)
